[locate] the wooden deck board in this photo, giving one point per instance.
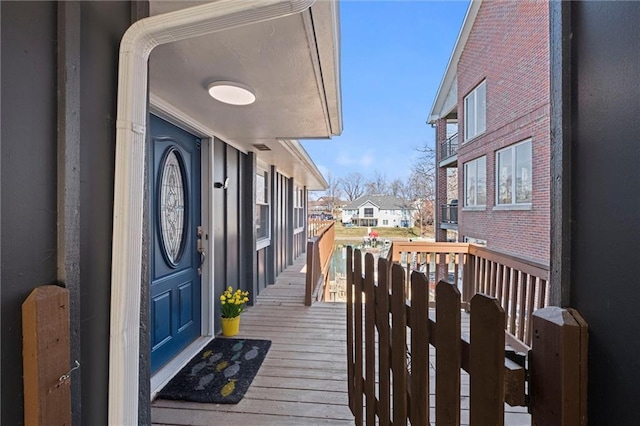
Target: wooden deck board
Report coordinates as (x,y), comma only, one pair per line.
(303,378)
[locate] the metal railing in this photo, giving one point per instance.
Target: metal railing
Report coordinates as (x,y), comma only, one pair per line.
(449,213)
(449,147)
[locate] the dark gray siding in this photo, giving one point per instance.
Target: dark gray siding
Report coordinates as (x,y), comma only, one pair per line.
(233,217)
(280,225)
(219,223)
(99,76)
(28,215)
(233,237)
(606,202)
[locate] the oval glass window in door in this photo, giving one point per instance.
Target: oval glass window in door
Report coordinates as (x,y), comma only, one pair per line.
(172,201)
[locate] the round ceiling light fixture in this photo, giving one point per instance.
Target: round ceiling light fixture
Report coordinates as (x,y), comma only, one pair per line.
(232,93)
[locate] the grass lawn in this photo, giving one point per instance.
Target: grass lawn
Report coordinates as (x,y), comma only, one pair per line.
(360,231)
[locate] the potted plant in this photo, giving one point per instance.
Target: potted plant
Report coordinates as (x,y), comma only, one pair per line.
(232,305)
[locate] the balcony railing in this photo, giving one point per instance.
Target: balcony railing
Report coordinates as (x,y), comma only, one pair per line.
(520,286)
(317,227)
(449,213)
(319,250)
(449,148)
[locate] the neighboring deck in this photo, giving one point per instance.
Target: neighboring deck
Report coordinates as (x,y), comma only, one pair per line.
(303,380)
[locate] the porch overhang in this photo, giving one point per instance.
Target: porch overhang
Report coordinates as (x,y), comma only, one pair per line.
(292,64)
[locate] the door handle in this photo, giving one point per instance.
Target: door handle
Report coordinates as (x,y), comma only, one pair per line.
(200,248)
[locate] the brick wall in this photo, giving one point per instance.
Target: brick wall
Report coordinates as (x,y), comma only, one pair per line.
(509,47)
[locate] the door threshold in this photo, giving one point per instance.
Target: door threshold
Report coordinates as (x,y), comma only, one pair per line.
(173,367)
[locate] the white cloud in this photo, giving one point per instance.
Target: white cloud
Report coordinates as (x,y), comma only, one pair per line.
(366,159)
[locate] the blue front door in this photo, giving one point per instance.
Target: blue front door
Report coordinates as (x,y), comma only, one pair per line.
(175,302)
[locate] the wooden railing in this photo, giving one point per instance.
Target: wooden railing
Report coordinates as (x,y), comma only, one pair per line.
(319,250)
(519,285)
(316,227)
(388,338)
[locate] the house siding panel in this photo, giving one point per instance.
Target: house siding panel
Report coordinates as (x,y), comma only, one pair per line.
(99,77)
(604,200)
(509,48)
(28,216)
(219,224)
(233,219)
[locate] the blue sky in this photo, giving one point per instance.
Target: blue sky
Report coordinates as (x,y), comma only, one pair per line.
(394,54)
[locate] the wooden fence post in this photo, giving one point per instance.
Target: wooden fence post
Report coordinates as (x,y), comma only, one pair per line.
(486,362)
(45,357)
(558,363)
(384,355)
(419,322)
(358,339)
(399,341)
(448,362)
(309,278)
(369,340)
(350,344)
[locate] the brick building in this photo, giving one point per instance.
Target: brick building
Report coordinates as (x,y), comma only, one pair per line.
(491,116)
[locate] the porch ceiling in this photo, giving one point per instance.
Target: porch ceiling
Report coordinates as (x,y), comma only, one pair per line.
(292,65)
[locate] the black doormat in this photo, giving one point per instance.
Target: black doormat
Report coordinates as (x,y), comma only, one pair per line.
(221,373)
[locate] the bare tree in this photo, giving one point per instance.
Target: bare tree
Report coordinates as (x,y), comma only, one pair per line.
(377,185)
(396,188)
(452,184)
(332,194)
(423,185)
(353,185)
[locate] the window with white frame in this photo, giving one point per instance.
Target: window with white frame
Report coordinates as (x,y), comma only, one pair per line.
(475,183)
(475,111)
(262,205)
(368,212)
(298,207)
(513,174)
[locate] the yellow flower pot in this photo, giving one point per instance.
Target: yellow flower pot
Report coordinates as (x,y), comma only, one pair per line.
(230,326)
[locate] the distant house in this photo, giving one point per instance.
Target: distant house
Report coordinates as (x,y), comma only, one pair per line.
(378,210)
(326,206)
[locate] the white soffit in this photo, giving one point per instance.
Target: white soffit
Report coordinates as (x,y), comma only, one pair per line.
(291,64)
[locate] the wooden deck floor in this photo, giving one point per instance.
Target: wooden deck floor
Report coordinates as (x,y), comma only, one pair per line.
(303,380)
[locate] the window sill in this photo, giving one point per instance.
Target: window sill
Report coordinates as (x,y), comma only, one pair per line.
(473,138)
(474,208)
(265,242)
(526,206)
